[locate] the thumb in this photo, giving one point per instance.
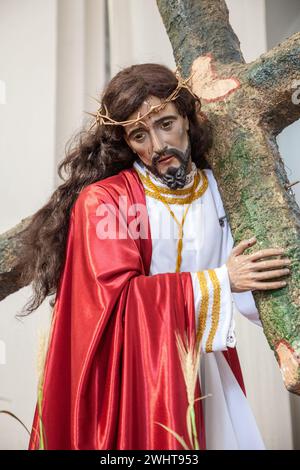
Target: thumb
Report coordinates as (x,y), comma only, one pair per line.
(242,246)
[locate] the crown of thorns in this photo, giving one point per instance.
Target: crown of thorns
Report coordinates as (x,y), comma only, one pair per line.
(102,116)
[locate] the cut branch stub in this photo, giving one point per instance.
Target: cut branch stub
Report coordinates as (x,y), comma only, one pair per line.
(276,78)
(10,250)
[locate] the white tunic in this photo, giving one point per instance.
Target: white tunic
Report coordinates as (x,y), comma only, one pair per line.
(229,422)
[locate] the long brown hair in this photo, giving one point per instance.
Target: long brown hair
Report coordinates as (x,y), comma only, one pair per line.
(94,155)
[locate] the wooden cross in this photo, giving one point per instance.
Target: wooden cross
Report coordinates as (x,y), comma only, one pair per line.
(248,106)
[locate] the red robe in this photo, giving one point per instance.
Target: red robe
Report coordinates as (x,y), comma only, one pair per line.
(112,368)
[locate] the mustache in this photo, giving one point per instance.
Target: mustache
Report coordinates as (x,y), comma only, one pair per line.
(166,152)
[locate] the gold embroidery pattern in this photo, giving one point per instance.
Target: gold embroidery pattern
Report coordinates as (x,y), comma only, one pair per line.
(185,200)
(203,307)
(193,193)
(173,192)
(192,196)
(215,309)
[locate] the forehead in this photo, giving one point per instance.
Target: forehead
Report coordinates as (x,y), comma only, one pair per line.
(169,108)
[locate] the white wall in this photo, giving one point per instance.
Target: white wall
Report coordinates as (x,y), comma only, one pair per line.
(248,21)
(80,65)
(27,143)
(137,34)
(28,68)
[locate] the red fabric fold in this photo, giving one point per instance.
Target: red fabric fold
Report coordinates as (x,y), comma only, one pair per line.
(112,369)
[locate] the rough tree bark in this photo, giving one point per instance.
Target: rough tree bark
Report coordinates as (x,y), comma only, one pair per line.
(10,250)
(248,105)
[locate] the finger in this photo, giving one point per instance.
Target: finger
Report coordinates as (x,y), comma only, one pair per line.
(242,246)
(265,253)
(270,264)
(269,285)
(271,274)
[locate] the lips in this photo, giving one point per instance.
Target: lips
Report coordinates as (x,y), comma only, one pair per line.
(167,157)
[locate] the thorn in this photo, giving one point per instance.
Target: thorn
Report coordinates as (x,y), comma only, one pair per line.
(91,114)
(288,186)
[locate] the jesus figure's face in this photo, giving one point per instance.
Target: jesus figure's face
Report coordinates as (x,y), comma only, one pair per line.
(161,141)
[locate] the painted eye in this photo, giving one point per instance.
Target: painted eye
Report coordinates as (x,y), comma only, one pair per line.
(139,137)
(167,125)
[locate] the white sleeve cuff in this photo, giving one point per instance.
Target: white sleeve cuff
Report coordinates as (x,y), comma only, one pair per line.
(214,309)
(245,305)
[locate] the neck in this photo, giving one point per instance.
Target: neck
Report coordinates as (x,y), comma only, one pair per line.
(189,167)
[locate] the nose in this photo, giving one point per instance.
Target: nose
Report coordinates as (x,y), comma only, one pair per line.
(157,144)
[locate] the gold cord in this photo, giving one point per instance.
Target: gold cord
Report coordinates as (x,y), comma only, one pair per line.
(203,311)
(192,195)
(215,309)
(174,192)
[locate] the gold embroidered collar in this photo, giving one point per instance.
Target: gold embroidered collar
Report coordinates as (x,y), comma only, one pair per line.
(175,196)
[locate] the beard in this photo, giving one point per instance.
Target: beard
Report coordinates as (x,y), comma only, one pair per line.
(173,177)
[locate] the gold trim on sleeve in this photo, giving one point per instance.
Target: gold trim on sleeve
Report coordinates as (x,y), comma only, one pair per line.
(215,309)
(202,317)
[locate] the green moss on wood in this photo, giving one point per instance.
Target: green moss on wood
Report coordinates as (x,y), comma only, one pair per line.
(245,172)
(273,69)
